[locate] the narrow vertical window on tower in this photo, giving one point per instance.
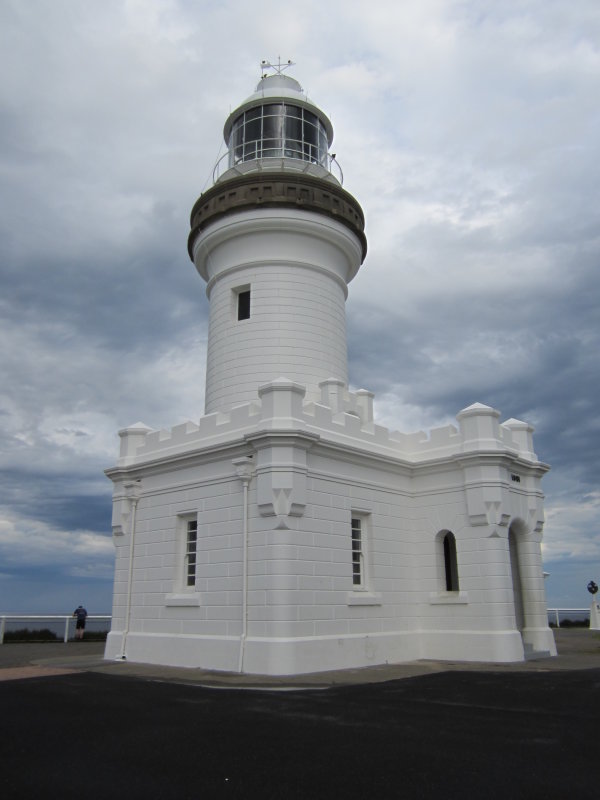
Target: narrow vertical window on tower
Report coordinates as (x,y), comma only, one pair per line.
(242,295)
(190,553)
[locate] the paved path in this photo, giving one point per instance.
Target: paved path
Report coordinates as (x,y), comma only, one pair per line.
(457,732)
(19,673)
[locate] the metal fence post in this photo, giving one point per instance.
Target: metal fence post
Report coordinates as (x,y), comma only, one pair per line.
(2,626)
(66,629)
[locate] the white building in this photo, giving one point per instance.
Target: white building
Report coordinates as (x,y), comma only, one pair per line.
(286,532)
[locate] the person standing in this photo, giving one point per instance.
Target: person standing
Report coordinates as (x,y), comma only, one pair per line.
(81,615)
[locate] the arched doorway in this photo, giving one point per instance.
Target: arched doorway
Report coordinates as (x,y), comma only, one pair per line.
(516,530)
(529,596)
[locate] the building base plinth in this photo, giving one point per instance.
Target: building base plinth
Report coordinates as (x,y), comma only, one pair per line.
(177,650)
(539,640)
(482,646)
(297,656)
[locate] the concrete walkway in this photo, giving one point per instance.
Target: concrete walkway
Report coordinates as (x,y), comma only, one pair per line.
(578,649)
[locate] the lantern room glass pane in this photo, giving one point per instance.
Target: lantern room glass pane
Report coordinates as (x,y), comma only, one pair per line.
(322,142)
(293,149)
(293,129)
(272,127)
(310,132)
(310,118)
(271,148)
(252,130)
(277,130)
(273,110)
(251,151)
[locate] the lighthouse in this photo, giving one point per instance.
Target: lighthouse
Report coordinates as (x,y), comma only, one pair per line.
(277,240)
(284,531)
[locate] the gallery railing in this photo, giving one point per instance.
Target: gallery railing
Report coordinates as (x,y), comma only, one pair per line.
(284,158)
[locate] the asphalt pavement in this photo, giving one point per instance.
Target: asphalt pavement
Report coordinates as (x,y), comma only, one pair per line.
(478,731)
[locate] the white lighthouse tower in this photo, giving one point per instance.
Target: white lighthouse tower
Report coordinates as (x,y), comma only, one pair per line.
(285,531)
(277,240)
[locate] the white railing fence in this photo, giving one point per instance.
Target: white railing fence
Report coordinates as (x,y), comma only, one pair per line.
(556,613)
(60,619)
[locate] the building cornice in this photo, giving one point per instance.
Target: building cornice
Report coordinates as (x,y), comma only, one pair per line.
(180,460)
(352,453)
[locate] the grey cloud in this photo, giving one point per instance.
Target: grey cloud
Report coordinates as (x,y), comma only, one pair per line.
(469,136)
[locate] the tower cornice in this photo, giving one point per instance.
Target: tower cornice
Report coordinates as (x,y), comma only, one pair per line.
(276,190)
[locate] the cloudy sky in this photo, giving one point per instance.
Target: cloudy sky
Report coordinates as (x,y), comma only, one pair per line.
(469,131)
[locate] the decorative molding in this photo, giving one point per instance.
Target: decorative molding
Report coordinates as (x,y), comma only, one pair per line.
(272,190)
(244,467)
(190,599)
(363,599)
(448,598)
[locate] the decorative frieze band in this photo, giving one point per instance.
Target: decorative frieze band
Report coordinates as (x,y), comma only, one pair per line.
(258,190)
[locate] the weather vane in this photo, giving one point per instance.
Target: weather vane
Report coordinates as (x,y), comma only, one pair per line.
(278,68)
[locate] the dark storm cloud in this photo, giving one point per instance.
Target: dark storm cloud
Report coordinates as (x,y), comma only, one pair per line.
(64,501)
(469,136)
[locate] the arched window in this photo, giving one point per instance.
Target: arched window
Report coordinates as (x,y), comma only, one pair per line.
(450,562)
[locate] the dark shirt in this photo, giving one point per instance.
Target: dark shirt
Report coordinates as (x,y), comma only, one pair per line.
(80,612)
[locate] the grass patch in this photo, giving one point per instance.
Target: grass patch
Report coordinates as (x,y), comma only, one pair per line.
(27,635)
(572,623)
(46,635)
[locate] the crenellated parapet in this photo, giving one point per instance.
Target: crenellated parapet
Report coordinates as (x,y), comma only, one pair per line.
(340,417)
(140,444)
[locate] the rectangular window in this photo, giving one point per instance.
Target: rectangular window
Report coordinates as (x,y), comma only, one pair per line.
(185,590)
(361,538)
(190,553)
(358,554)
(243,304)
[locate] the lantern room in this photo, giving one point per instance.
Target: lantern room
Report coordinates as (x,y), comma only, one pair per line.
(278,122)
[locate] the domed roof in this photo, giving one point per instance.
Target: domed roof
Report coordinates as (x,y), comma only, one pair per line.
(278,81)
